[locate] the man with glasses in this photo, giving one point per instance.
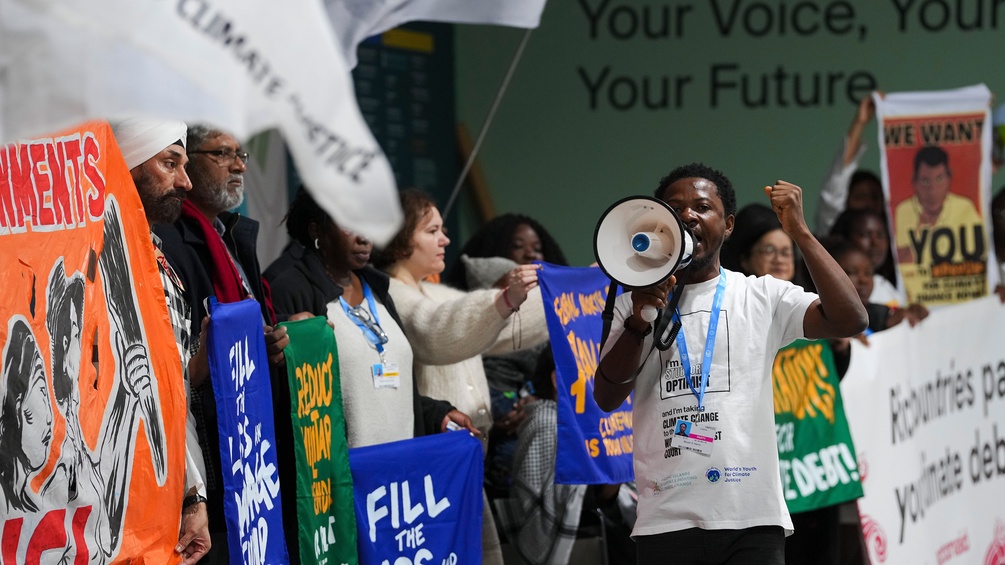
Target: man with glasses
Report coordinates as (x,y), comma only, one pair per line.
(214,252)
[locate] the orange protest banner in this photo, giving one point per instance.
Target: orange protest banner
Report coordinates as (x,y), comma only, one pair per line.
(92,428)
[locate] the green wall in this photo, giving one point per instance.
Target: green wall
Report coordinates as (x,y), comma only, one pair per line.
(567,143)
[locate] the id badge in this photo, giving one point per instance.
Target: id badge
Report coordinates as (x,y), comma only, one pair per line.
(385,375)
(693,436)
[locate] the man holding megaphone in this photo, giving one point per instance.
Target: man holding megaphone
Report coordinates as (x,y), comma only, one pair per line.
(714,495)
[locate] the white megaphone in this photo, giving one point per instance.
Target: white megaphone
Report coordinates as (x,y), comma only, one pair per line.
(640,242)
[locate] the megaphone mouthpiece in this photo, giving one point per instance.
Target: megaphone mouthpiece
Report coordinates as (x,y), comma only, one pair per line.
(650,245)
(641,242)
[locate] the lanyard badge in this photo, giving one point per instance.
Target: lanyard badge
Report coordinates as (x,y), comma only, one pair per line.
(695,436)
(385,374)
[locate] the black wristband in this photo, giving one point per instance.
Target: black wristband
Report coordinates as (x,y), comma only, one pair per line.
(192,499)
(638,334)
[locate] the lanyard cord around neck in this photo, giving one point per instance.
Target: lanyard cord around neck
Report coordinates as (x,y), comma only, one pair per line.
(706,362)
(371,336)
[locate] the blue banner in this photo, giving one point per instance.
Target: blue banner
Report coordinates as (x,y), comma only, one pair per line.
(239,370)
(419,501)
(594,447)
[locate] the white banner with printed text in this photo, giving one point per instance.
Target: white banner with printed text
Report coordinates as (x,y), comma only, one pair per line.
(926,406)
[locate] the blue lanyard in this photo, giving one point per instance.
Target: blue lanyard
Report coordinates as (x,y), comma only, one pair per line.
(370,335)
(713,325)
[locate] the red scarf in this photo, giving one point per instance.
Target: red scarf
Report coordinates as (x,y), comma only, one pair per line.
(227,282)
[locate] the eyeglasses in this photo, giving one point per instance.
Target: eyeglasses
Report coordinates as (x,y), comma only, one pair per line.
(374,334)
(771,250)
(224,156)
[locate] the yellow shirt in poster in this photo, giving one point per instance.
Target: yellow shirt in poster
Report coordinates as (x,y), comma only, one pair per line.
(957,212)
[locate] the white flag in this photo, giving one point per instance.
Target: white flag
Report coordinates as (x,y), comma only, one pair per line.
(355,20)
(241,65)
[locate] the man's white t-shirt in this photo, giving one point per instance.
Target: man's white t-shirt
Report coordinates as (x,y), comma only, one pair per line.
(738,485)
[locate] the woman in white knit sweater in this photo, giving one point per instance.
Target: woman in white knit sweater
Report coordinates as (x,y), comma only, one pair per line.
(449,329)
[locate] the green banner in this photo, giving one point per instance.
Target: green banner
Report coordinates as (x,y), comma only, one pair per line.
(815,450)
(325,514)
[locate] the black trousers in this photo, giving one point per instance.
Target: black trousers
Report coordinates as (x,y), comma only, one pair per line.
(817,540)
(761,545)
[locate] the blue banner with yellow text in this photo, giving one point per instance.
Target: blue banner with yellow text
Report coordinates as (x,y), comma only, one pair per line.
(594,447)
(419,500)
(239,370)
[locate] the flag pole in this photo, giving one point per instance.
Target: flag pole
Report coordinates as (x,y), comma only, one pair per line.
(488,122)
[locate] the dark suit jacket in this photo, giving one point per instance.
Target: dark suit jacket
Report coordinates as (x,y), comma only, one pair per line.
(186,251)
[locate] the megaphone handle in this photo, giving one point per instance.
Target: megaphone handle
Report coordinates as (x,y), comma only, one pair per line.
(648,314)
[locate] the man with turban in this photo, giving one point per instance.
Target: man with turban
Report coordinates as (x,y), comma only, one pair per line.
(154,151)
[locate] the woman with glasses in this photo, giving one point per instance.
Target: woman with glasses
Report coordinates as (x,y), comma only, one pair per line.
(758,246)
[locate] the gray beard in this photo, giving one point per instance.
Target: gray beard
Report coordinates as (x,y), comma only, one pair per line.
(220,198)
(227,201)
